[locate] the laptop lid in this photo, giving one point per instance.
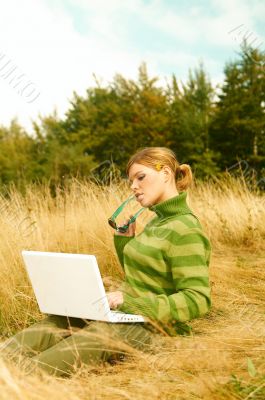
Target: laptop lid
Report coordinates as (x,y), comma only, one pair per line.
(67,284)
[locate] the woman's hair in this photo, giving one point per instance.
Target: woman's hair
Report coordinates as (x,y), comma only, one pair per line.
(157,157)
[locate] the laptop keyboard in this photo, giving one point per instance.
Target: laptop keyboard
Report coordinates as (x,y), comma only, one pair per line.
(126,317)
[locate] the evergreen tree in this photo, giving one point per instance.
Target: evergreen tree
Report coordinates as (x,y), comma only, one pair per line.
(110,123)
(238,128)
(191,112)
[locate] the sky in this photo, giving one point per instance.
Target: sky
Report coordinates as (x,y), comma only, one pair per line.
(51,48)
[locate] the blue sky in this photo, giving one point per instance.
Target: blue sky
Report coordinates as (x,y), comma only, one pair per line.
(59,44)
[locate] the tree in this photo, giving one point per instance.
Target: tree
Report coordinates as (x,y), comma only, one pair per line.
(16,161)
(238,129)
(116,120)
(191,112)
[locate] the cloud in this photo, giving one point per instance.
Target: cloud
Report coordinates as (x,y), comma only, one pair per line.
(209,24)
(43,44)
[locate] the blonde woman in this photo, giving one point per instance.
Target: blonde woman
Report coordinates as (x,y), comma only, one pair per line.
(166,270)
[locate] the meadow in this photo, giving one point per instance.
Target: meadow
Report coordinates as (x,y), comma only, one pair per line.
(223,359)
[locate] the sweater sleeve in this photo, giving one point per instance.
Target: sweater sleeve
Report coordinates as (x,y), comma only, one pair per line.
(188,259)
(119,243)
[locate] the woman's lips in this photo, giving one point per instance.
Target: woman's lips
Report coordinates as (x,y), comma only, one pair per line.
(140,197)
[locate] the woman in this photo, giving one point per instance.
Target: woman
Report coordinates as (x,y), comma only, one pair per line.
(166,276)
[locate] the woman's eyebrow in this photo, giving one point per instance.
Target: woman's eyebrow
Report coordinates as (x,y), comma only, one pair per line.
(135,174)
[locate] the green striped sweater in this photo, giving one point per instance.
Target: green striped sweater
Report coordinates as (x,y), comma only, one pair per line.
(167,267)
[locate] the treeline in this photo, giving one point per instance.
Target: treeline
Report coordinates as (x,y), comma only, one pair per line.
(213,130)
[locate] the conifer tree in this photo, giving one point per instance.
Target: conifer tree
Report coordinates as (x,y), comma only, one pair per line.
(238,129)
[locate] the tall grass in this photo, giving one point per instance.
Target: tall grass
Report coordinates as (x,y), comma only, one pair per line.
(196,367)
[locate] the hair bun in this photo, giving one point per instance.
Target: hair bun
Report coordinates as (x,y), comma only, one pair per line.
(178,170)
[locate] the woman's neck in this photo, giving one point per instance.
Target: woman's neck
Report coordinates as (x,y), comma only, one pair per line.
(172,192)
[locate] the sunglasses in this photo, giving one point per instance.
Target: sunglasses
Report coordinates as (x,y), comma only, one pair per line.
(123,228)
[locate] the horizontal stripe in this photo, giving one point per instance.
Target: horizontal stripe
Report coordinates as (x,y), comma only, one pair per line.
(152,288)
(157,271)
(144,306)
(194,220)
(188,237)
(188,272)
(147,254)
(174,237)
(150,280)
(189,220)
(186,249)
(143,249)
(130,290)
(151,266)
(156,234)
(174,225)
(157,240)
(166,267)
(193,260)
(138,292)
(184,283)
(205,291)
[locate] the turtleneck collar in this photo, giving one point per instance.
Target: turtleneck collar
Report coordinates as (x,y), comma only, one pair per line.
(174,206)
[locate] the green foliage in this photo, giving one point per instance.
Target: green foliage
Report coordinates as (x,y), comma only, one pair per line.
(251,368)
(108,124)
(251,389)
(238,127)
(16,155)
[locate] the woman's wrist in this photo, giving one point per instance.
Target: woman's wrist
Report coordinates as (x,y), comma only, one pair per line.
(122,234)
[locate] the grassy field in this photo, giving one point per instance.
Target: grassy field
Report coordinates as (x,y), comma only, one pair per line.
(225,356)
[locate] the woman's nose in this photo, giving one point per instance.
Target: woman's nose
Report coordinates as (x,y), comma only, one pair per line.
(133,186)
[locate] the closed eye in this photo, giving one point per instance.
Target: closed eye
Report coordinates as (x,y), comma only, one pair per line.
(140,179)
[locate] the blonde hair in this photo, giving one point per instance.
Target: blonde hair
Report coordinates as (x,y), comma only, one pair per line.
(157,157)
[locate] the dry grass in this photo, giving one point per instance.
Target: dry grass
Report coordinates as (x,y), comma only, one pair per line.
(196,367)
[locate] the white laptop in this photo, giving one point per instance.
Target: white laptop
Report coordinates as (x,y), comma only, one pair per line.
(71,285)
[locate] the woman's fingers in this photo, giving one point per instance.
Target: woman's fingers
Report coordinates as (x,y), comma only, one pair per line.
(114,299)
(131,229)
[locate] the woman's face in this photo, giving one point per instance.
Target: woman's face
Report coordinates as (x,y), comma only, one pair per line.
(148,183)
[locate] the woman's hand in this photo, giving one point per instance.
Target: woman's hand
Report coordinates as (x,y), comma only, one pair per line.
(130,231)
(115,299)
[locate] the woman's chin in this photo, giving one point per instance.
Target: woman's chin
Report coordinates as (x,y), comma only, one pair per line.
(144,203)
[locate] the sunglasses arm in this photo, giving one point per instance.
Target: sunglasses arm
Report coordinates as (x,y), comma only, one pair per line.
(118,211)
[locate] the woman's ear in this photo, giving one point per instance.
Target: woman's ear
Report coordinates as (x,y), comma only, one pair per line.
(166,172)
